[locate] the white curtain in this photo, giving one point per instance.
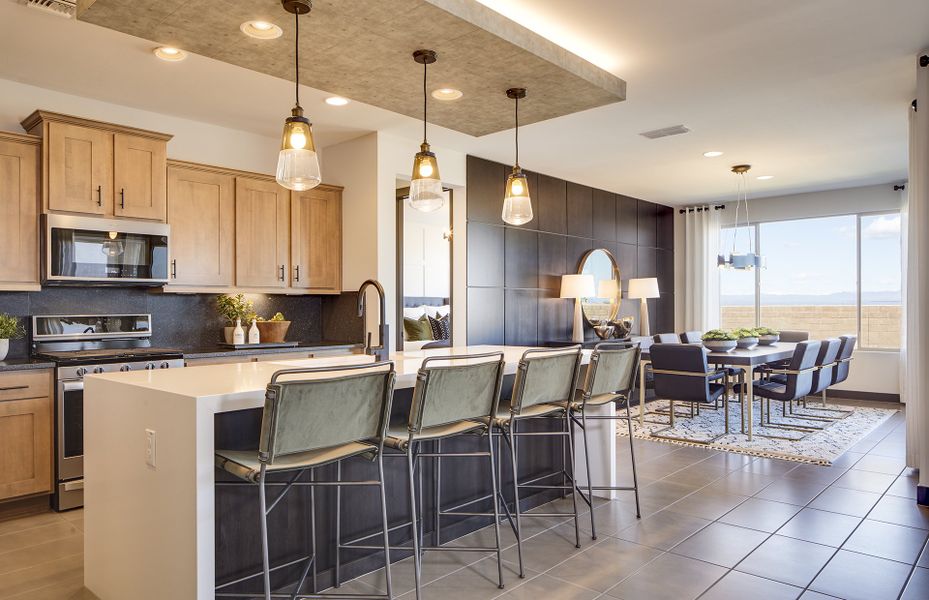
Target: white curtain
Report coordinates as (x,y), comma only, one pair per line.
(915,376)
(701,273)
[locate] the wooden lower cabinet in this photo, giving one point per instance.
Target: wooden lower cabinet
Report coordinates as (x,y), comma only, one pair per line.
(25,435)
(19,208)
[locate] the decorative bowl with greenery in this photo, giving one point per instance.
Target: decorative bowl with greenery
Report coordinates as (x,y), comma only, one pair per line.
(719,340)
(767,336)
(10,329)
(748,338)
(274,329)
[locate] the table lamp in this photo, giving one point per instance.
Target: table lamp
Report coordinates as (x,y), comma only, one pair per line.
(577,287)
(643,289)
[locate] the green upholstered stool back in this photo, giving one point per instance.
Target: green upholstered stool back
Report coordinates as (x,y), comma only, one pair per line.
(450,389)
(545,376)
(336,405)
(612,369)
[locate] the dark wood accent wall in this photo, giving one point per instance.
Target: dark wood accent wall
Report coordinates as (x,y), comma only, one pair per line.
(514,273)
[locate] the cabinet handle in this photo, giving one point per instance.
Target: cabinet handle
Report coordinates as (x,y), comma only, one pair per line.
(174,268)
(99,195)
(297,270)
(122,197)
(282,272)
(14,387)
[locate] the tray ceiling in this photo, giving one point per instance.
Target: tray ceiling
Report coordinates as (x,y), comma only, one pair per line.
(362,50)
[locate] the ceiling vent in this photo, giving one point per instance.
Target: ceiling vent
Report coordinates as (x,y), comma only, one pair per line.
(62,8)
(664,132)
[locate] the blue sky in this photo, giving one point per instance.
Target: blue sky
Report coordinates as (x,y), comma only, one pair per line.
(818,257)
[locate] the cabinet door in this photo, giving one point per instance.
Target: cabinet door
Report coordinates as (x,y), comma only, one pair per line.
(19,206)
(25,447)
(262,233)
(316,240)
(139,171)
(80,169)
(201,212)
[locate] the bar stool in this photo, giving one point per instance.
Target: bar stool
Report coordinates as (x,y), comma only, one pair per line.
(454,396)
(611,377)
(546,380)
(331,414)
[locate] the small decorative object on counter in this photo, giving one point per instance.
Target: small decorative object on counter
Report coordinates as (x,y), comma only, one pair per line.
(274,330)
(719,340)
(238,334)
(604,332)
(748,338)
(768,336)
(232,308)
(10,329)
(254,336)
(622,327)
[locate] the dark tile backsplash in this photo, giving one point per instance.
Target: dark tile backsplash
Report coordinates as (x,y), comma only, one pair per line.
(187,321)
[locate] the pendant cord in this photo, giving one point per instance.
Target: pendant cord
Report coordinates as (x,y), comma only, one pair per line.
(517,131)
(297,56)
(425,100)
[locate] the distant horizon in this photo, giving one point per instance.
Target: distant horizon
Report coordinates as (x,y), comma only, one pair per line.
(833,299)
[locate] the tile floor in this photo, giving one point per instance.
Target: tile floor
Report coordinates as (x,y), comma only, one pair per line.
(715,526)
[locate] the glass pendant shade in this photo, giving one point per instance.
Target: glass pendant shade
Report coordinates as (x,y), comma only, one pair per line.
(426,194)
(298,163)
(517,205)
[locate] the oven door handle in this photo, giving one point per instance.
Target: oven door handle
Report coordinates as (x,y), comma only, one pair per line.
(72,386)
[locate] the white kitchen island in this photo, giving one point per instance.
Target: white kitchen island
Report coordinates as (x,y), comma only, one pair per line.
(149,530)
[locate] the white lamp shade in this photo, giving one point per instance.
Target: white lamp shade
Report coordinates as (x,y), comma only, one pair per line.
(577,286)
(608,288)
(646,287)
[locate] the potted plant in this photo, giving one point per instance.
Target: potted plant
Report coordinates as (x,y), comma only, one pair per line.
(748,338)
(719,340)
(233,308)
(10,329)
(274,329)
(767,336)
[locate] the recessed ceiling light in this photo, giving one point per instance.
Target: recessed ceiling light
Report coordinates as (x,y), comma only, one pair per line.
(765,177)
(262,30)
(447,94)
(337,101)
(170,53)
(712,154)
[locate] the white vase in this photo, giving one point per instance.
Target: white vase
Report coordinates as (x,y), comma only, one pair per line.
(4,348)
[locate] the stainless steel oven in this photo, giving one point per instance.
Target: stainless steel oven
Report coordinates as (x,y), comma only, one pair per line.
(69,411)
(82,250)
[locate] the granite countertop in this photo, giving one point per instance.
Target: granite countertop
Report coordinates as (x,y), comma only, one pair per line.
(23,364)
(219,351)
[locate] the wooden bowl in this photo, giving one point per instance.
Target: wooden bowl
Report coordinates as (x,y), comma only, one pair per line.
(272,332)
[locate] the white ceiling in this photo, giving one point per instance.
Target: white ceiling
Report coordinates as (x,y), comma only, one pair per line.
(813,92)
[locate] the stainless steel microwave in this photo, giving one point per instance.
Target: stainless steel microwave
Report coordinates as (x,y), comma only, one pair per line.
(98,251)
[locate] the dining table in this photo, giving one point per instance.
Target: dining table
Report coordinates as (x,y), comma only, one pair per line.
(746,360)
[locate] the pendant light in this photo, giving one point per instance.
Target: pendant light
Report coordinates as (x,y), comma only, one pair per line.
(737,258)
(297,163)
(517,205)
(426,193)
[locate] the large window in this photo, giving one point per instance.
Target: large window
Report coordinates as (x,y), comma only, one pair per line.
(829,276)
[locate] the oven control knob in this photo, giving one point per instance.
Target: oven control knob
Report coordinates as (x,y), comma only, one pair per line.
(125,368)
(165,365)
(81,372)
(149,366)
(98,369)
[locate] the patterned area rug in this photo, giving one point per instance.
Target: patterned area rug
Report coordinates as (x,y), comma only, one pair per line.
(814,446)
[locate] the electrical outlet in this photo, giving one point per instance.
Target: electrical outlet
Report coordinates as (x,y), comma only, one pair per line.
(150,447)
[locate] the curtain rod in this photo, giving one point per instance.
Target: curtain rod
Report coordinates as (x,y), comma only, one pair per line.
(701,208)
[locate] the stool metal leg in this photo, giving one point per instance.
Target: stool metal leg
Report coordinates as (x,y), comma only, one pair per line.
(437,524)
(493,481)
(516,511)
(577,527)
(590,497)
(413,519)
(635,479)
(338,526)
(263,507)
(380,478)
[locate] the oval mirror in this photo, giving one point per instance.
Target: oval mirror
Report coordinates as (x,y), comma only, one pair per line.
(603,307)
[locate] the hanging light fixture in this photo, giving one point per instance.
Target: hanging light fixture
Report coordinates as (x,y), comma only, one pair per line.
(736,259)
(426,193)
(517,205)
(297,163)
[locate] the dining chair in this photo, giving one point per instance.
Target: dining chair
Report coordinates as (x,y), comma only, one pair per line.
(842,367)
(797,383)
(692,337)
(667,338)
(794,336)
(683,375)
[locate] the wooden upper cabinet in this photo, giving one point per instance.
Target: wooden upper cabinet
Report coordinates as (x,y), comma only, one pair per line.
(262,233)
(316,240)
(139,177)
(19,212)
(201,212)
(97,168)
(80,169)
